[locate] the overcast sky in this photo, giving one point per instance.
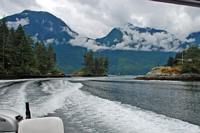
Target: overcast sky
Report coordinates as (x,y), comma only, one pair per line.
(95,18)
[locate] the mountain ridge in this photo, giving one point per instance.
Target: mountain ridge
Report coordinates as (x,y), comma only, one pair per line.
(128,37)
(141,39)
(42,26)
(130,58)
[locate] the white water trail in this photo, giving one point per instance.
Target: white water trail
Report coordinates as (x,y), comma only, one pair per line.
(3,91)
(21,100)
(3,88)
(16,98)
(58,91)
(88,112)
(94,114)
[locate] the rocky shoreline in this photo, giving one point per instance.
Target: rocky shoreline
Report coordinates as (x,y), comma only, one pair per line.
(178,77)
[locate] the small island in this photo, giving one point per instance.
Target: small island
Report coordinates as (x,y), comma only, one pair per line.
(94,66)
(185,66)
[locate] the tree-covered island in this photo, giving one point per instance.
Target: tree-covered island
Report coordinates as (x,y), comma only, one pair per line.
(93,66)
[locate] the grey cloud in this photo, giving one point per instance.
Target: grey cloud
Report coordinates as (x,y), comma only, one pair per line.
(95,18)
(8,7)
(175,18)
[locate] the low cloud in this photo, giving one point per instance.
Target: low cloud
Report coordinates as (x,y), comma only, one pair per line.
(15,24)
(88,43)
(133,39)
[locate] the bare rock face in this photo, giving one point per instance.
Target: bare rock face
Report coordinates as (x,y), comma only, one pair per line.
(165,71)
(169,73)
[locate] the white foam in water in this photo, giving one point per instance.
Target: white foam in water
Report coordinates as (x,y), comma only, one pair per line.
(100,115)
(22,98)
(3,91)
(90,113)
(3,88)
(15,99)
(58,90)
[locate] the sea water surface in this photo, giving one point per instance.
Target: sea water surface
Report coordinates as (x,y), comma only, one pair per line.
(108,105)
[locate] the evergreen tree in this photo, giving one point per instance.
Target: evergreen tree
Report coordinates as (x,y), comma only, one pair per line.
(10,57)
(191,59)
(3,38)
(19,34)
(95,66)
(188,60)
(170,61)
(42,59)
(19,41)
(51,58)
(26,57)
(89,63)
(104,65)
(20,56)
(33,62)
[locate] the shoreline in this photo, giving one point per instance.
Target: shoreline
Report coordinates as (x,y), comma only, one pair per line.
(178,77)
(31,77)
(44,76)
(181,77)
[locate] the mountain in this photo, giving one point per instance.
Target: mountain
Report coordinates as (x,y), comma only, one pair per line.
(130,49)
(42,26)
(130,37)
(194,38)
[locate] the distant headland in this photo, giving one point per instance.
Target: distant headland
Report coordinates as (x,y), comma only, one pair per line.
(185,66)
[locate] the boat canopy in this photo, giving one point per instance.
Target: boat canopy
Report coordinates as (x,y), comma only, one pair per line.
(195,3)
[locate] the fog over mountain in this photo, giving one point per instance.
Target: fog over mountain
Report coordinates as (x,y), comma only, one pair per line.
(43,26)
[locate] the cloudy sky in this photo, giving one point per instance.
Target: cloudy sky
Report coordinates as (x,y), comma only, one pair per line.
(95,18)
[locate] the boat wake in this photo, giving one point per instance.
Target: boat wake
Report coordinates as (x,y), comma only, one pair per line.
(84,112)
